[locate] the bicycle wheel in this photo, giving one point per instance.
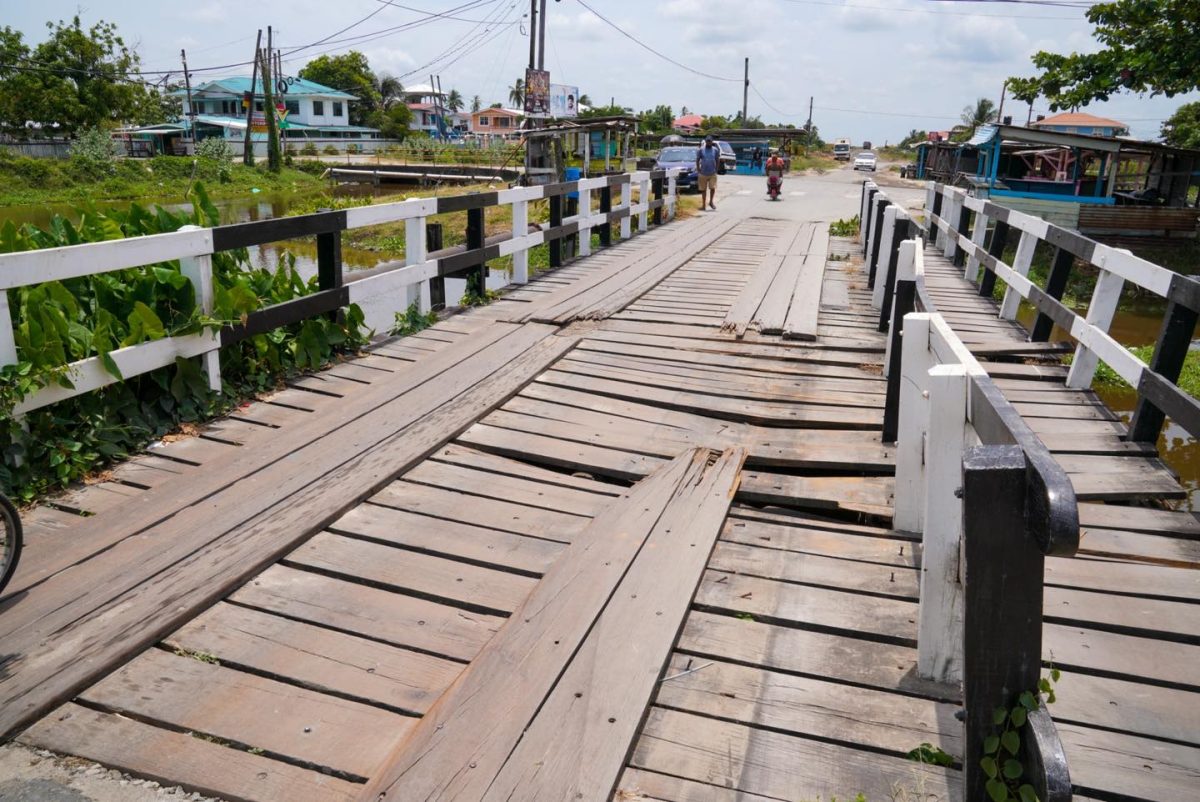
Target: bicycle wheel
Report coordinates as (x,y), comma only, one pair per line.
(10,540)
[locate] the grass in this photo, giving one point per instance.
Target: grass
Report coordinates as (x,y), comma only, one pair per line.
(36,181)
(815,160)
(1189,377)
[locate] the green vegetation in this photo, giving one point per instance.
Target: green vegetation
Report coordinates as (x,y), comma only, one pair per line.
(59,322)
(1189,377)
(411,320)
(1001,749)
(1182,129)
(815,160)
(203,657)
(844,228)
(928,753)
(86,176)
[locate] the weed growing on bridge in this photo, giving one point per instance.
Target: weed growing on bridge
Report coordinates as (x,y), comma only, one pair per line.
(412,320)
(844,228)
(1001,750)
(59,322)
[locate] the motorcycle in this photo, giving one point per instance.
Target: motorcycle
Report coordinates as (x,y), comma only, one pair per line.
(774,185)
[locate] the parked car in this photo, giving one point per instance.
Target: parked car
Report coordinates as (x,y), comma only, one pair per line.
(679,156)
(728,162)
(866,161)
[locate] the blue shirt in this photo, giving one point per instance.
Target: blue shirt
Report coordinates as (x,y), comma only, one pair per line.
(707,158)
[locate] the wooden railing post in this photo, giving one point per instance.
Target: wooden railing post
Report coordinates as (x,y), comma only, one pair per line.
(912,419)
(656,185)
(868,208)
(877,222)
(198,269)
(996,250)
(899,234)
(1100,314)
(1174,339)
(1056,284)
(672,192)
(643,200)
(437,284)
(1020,265)
(475,242)
(626,206)
(556,220)
(903,302)
(1003,569)
(935,231)
(886,244)
(329,263)
(979,230)
(949,243)
(520,228)
(414,254)
(585,229)
(605,208)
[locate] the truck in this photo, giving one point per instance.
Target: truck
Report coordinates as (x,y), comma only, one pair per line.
(841,150)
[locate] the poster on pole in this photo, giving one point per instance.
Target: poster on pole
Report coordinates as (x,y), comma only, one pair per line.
(537,93)
(564,101)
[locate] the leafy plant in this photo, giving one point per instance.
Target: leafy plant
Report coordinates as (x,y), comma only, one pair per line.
(59,322)
(412,320)
(330,150)
(216,152)
(95,152)
(844,228)
(928,753)
(1001,750)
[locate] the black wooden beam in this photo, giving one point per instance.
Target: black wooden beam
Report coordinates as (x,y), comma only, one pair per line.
(1056,284)
(995,250)
(243,235)
(286,313)
(1174,340)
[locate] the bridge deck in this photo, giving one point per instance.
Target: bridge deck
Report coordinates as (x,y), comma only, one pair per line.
(517,556)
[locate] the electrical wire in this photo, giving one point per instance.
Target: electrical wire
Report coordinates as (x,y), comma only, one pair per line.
(904,10)
(645,46)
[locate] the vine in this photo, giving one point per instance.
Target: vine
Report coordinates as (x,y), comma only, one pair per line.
(1000,761)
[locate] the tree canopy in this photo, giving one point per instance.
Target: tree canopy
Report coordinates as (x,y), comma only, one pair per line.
(76,79)
(981,112)
(1182,129)
(1147,46)
(349,72)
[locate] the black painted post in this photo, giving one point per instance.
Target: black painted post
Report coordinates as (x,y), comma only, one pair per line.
(937,212)
(1056,284)
(556,220)
(904,302)
(899,234)
(476,275)
(995,250)
(437,284)
(572,243)
(605,229)
(963,228)
(1174,339)
(877,227)
(865,224)
(656,186)
(329,263)
(1002,587)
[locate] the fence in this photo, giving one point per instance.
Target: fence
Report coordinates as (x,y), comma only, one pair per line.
(39,149)
(988,497)
(423,266)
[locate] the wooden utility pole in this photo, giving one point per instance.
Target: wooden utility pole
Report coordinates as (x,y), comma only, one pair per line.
(187,83)
(274,162)
(808,131)
(746,92)
(1000,111)
(248,146)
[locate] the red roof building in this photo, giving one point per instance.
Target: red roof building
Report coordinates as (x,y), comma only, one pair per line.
(688,123)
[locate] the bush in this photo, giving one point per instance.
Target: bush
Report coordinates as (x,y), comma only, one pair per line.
(215,152)
(330,150)
(309,149)
(94,152)
(352,148)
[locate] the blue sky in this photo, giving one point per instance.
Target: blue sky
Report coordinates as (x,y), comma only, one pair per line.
(875,68)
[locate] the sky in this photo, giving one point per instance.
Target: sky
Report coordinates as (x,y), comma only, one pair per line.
(874,68)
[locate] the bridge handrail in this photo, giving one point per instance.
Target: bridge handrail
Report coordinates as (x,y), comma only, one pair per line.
(963,231)
(425,270)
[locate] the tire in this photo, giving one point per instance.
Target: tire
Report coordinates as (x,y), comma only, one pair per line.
(10,540)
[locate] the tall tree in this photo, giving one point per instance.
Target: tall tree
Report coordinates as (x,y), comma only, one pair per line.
(454,101)
(389,88)
(584,100)
(657,119)
(77,78)
(1146,46)
(476,103)
(1182,129)
(981,112)
(516,93)
(351,73)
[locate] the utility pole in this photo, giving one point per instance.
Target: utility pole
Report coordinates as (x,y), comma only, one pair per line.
(746,92)
(808,131)
(542,37)
(1000,111)
(533,28)
(187,82)
(273,160)
(247,146)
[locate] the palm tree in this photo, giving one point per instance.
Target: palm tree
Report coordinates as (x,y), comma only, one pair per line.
(454,101)
(516,93)
(982,113)
(584,100)
(476,104)
(389,88)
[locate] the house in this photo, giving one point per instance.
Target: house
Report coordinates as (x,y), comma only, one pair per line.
(1071,122)
(938,136)
(428,118)
(311,114)
(688,123)
(495,122)
(423,93)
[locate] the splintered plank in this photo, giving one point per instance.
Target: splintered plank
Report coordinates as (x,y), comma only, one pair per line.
(176,758)
(801,321)
(742,310)
(301,725)
(317,657)
(869,494)
(463,742)
(780,766)
(576,745)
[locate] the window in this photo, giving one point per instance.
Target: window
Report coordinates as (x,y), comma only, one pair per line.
(483,122)
(230,107)
(318,107)
(199,107)
(258,105)
(293,106)
(337,108)
(503,121)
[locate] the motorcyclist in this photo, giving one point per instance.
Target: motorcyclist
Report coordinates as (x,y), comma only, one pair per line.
(775,169)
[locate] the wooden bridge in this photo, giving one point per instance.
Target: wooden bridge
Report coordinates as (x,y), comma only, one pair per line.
(655,525)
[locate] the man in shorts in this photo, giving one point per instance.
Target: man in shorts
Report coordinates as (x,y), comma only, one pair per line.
(708,156)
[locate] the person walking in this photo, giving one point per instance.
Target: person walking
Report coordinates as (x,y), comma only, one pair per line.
(708,157)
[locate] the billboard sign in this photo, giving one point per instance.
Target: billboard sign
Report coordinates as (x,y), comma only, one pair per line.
(564,101)
(537,93)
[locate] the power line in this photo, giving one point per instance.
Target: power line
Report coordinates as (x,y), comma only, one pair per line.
(645,46)
(754,89)
(835,4)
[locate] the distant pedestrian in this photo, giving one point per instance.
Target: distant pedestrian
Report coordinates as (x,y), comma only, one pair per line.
(708,159)
(756,159)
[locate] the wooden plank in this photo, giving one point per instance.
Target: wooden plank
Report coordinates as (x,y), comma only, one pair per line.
(637,785)
(797,538)
(450,581)
(741,311)
(76,642)
(481,717)
(426,534)
(1075,648)
(483,461)
(591,459)
(1119,577)
(393,618)
(575,749)
(1140,519)
(297,724)
(1128,767)
(509,488)
(781,766)
(817,570)
(1135,615)
(802,316)
(175,758)
(869,494)
(316,657)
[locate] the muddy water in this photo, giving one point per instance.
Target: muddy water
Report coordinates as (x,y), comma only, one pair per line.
(379,311)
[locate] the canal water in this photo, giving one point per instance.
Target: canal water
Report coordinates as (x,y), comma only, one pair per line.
(379,311)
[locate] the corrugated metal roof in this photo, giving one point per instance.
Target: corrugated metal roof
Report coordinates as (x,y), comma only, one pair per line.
(983,135)
(241,83)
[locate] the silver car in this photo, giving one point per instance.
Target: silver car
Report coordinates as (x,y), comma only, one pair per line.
(865,161)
